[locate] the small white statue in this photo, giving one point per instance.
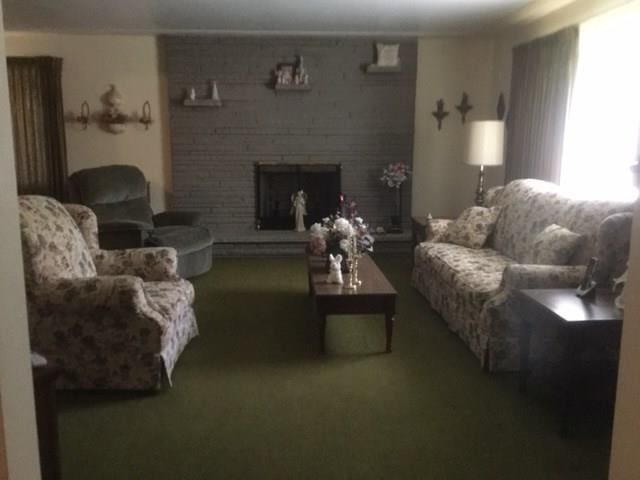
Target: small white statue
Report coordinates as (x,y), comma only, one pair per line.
(299,209)
(621,280)
(335,269)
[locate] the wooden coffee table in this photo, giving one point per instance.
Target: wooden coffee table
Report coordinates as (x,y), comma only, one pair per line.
(376,295)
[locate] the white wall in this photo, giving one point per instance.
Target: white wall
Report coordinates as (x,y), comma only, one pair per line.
(443,185)
(16,389)
(625,447)
(90,64)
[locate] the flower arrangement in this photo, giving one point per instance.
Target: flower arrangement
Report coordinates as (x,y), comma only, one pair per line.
(336,233)
(395,174)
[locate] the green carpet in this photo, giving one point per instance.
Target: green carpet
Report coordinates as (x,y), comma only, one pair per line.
(252,399)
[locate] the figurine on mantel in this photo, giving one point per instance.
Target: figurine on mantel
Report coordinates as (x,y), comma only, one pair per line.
(299,209)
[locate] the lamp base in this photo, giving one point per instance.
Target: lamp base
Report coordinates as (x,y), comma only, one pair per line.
(480,189)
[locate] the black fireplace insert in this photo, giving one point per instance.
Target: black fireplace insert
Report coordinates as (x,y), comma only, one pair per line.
(276,183)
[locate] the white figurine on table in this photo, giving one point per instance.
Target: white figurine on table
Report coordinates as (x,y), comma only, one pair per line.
(335,269)
(299,209)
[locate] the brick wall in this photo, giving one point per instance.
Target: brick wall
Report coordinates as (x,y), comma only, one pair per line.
(358,120)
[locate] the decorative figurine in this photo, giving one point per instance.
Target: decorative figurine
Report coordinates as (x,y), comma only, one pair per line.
(464,107)
(335,269)
(299,209)
(192,93)
(214,91)
(440,113)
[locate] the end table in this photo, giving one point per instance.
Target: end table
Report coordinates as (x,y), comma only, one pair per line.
(576,316)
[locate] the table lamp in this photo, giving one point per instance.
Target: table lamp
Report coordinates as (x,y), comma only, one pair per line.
(485,147)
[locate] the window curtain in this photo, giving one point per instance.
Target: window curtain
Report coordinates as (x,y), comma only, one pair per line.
(35,92)
(541,80)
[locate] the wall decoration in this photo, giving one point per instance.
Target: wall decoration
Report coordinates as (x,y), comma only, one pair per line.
(292,76)
(387,59)
(388,55)
(500,108)
(440,113)
(464,107)
(84,116)
(145,119)
(191,100)
(112,118)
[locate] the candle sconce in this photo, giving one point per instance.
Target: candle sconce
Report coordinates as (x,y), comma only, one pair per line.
(112,119)
(145,119)
(84,116)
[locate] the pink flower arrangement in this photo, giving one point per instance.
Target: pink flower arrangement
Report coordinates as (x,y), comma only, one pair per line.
(395,174)
(335,233)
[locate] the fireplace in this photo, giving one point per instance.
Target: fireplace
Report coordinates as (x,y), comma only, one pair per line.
(275,183)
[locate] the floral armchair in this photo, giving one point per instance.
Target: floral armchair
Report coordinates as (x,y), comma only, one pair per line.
(116,319)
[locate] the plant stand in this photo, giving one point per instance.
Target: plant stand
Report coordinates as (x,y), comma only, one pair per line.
(396,217)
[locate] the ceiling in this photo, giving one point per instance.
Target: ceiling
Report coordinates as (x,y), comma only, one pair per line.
(393,17)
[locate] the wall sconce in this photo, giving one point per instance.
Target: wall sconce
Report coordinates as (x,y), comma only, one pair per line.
(145,119)
(112,119)
(83,118)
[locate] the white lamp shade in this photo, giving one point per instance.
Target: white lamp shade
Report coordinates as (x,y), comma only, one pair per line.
(485,143)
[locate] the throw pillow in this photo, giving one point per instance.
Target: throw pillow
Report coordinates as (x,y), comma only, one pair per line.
(554,245)
(473,227)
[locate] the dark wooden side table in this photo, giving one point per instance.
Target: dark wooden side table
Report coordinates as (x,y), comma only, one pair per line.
(419,229)
(376,295)
(576,317)
(44,390)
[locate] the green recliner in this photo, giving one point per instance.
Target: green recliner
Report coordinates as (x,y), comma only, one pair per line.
(118,196)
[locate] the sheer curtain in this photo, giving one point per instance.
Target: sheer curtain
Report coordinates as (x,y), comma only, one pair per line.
(603,123)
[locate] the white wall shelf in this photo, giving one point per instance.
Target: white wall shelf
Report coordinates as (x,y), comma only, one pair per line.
(377,69)
(202,102)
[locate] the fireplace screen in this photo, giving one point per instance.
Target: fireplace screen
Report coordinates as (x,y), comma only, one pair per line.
(276,183)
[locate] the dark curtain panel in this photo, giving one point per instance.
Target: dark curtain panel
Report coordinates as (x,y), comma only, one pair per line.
(541,80)
(35,91)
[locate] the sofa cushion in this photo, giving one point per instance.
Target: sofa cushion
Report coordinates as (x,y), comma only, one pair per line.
(473,227)
(475,272)
(185,239)
(554,245)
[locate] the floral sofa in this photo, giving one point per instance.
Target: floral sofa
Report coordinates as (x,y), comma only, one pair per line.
(471,288)
(115,319)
